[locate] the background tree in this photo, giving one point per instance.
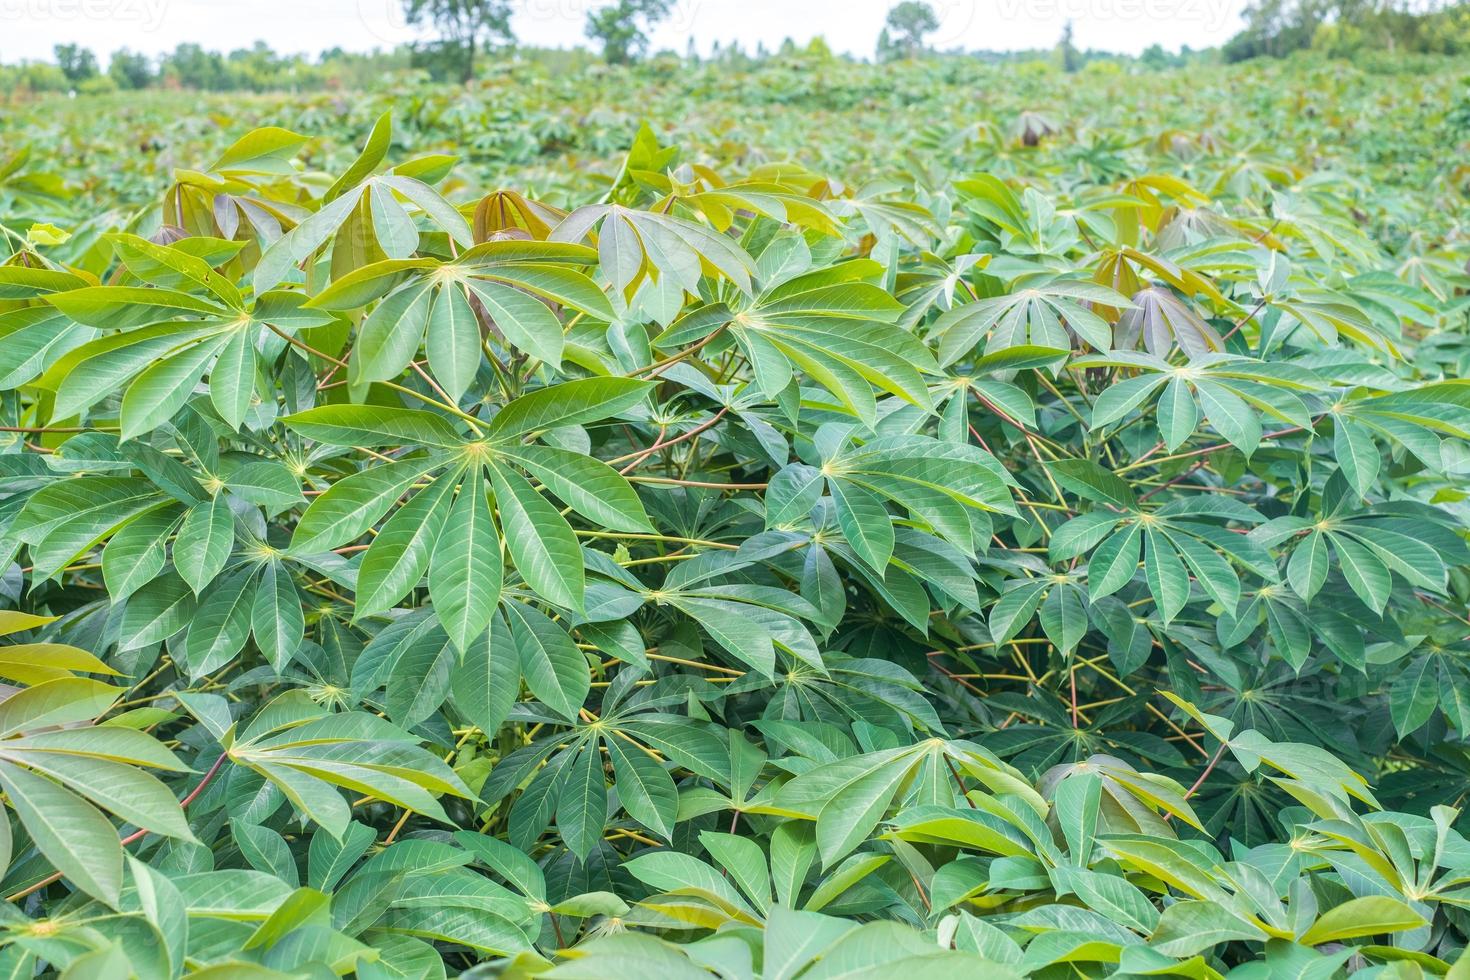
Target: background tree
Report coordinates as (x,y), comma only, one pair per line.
(1344,28)
(464,26)
(906,26)
(622,28)
(129,69)
(193,67)
(76,62)
(1071,57)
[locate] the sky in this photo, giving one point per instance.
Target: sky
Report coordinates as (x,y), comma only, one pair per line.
(29,28)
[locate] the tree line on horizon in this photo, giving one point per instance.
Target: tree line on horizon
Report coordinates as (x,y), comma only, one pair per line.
(465,31)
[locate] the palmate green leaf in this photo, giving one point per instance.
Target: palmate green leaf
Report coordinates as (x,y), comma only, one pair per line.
(1209,568)
(487,679)
(221,624)
(540,541)
(1230,416)
(396,232)
(466,568)
(1090,481)
(265,850)
(865,523)
(1063,616)
(418,681)
(400,553)
(267,150)
(1178,415)
(304,907)
(454,342)
(1034,316)
(736,628)
(838,329)
(36,663)
(33,337)
(156,612)
(1014,609)
(77,839)
(544,269)
(634,244)
(63,520)
(1191,927)
(1365,572)
(1117,400)
(961,828)
(204,542)
(581,810)
(276,619)
(568,403)
(160,391)
(391,335)
(848,797)
(792,493)
(135,554)
(745,862)
(525,321)
(488,935)
(1414,695)
(173,268)
(361,286)
(1356,455)
(263,482)
(233,379)
(357,752)
(1111,895)
(509,863)
(87,374)
(591,487)
(670,870)
(111,742)
(553,668)
(427,200)
(121,307)
(59,701)
(645,789)
(373,151)
(1115,561)
(1166,575)
(1307,568)
(300,242)
(122,789)
(373,425)
(856,806)
(163,907)
(1369,915)
(353,504)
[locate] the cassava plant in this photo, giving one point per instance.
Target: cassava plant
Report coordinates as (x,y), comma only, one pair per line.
(731,572)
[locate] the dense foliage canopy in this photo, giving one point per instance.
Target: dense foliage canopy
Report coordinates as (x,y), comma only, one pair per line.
(866,537)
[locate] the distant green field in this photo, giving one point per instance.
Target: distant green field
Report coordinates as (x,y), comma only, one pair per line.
(561,134)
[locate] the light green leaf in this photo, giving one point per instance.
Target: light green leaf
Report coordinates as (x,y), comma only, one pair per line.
(541,543)
(204,542)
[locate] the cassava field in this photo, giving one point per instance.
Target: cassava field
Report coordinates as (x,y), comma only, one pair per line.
(808,520)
